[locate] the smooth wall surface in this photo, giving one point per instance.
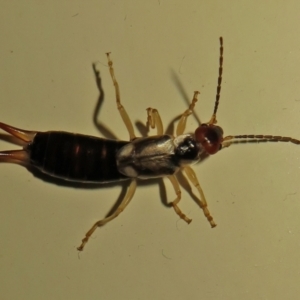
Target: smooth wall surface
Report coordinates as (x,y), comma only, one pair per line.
(162,52)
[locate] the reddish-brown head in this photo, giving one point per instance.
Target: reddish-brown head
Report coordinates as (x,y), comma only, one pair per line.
(210,137)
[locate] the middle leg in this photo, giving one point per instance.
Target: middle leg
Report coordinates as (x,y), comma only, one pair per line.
(178,211)
(154,120)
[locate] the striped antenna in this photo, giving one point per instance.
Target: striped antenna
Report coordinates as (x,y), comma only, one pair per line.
(256,138)
(213,119)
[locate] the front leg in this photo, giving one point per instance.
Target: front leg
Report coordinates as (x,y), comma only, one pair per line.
(201,201)
(182,122)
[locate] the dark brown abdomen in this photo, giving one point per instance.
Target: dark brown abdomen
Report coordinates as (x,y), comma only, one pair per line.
(76,157)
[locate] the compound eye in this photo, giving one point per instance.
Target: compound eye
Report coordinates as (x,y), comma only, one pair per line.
(210,137)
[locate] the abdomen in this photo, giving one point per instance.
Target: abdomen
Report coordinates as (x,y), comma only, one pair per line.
(76,157)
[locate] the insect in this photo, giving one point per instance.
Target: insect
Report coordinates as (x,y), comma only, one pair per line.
(88,159)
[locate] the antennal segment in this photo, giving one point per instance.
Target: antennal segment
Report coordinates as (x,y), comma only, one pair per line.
(256,138)
(213,119)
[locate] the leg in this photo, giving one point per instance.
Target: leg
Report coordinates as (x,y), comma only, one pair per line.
(175,184)
(182,122)
(130,192)
(202,201)
(121,109)
(153,119)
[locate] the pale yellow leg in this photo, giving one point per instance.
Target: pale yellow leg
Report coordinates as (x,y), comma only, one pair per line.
(121,109)
(182,122)
(178,211)
(154,120)
(202,201)
(130,192)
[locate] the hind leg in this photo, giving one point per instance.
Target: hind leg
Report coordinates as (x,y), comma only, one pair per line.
(121,108)
(130,192)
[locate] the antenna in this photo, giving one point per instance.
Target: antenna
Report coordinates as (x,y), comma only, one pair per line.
(213,119)
(256,138)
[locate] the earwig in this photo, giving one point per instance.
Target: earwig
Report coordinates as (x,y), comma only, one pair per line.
(87,159)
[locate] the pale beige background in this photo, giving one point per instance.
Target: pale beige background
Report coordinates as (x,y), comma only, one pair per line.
(46,81)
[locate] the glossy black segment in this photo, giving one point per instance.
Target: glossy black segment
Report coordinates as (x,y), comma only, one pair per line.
(188,150)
